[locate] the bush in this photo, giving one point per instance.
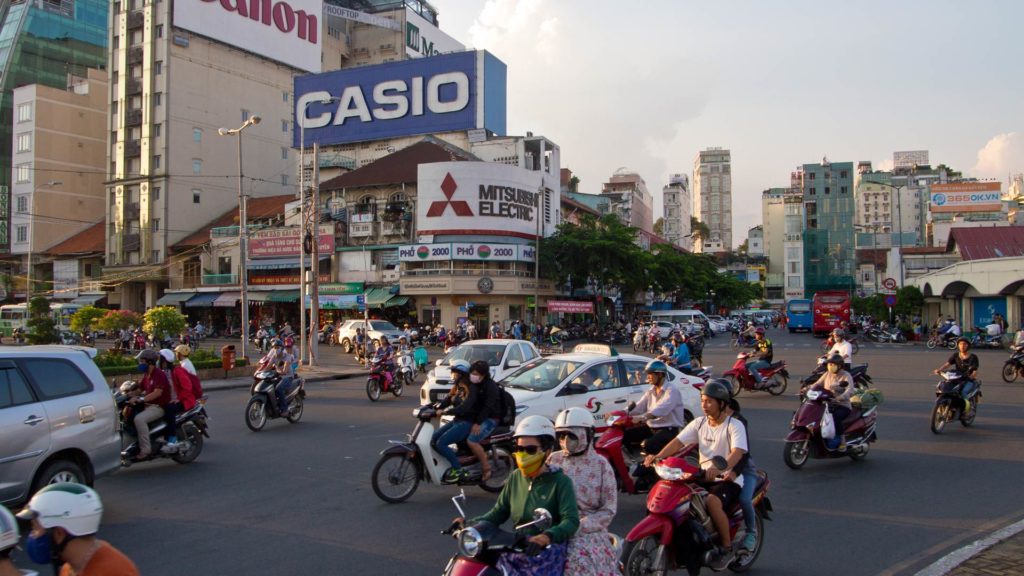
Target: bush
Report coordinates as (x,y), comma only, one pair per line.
(117,365)
(87,318)
(119,320)
(164,320)
(41,329)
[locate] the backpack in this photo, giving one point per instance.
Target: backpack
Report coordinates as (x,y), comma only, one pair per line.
(508,408)
(197,388)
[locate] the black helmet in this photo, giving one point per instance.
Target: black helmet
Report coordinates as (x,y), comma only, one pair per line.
(962,339)
(719,389)
(481,367)
(836,359)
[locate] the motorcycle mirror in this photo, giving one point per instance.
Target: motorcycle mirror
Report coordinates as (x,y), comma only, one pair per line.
(720,463)
(543,518)
(459,500)
(630,406)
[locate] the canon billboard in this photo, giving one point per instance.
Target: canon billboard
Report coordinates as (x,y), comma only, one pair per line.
(444,93)
(287,31)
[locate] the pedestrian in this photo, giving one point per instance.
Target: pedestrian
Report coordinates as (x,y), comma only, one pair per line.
(517,330)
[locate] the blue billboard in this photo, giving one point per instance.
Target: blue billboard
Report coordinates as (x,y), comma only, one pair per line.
(986,308)
(444,93)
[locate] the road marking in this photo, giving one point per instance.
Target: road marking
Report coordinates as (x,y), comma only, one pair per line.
(957,557)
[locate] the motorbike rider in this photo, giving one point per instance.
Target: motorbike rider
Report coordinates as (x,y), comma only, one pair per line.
(463,399)
(764,355)
(385,354)
(9,538)
(965,363)
(749,333)
(590,551)
(65,519)
(285,364)
(534,484)
(662,407)
(840,383)
(487,415)
(681,357)
(842,347)
(717,433)
(156,394)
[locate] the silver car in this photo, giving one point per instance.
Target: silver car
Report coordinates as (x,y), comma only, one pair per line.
(58,420)
(376,329)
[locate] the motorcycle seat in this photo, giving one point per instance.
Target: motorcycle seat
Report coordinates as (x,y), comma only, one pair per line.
(500,434)
(854,415)
(775,365)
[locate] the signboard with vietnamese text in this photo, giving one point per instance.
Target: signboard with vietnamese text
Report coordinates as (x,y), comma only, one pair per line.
(478,251)
(281,279)
(275,242)
(570,307)
(966,197)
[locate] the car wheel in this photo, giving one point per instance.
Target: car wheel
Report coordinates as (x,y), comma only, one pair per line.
(59,471)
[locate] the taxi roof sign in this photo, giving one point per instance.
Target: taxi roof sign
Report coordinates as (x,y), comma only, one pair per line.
(605,349)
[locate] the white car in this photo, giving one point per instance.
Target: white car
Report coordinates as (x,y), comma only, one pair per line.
(592,377)
(377,328)
(719,324)
(503,355)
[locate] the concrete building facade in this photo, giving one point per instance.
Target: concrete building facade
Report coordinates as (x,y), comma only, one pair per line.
(773,223)
(677,202)
(712,196)
(829,212)
(793,245)
(629,199)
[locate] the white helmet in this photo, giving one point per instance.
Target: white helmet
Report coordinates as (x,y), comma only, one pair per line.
(574,417)
(8,529)
(578,425)
(73,507)
(536,426)
(167,355)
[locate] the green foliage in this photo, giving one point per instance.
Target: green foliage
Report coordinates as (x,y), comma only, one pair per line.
(659,227)
(87,318)
(41,329)
(909,302)
(698,229)
(119,320)
(113,364)
(161,320)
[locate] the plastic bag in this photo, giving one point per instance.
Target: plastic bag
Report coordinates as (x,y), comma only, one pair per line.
(828,426)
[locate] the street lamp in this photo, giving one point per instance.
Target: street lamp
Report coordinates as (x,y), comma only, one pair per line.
(243,229)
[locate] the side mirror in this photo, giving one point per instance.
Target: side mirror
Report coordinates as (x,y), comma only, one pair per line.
(720,463)
(514,364)
(542,518)
(630,406)
(571,389)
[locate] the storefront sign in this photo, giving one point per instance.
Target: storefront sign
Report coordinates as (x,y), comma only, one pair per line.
(966,197)
(570,307)
(285,242)
(478,251)
(424,39)
(282,279)
(424,285)
(447,93)
(356,16)
(986,308)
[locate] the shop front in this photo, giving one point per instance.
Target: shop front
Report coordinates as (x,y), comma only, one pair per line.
(480,298)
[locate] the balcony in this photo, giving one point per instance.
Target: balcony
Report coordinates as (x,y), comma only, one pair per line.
(133,149)
(130,242)
(136,54)
(133,86)
(397,228)
(337,160)
(133,118)
(131,211)
(136,19)
(220,279)
(360,229)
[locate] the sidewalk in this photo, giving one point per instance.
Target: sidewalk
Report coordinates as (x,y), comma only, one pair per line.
(314,374)
(1006,557)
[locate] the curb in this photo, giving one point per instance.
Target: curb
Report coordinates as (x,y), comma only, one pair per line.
(954,559)
(248,381)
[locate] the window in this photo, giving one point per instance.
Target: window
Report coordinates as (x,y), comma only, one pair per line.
(599,377)
(284,96)
(197,166)
(22,202)
(843,174)
(528,353)
(156,224)
(156,193)
(197,135)
(284,153)
(156,162)
(284,126)
(843,190)
(515,353)
(195,195)
(159,30)
(56,378)
(828,189)
(154,256)
(14,391)
(23,173)
(21,233)
(116,7)
(157,128)
(245,114)
(157,98)
(284,179)
(113,107)
(158,67)
(25,112)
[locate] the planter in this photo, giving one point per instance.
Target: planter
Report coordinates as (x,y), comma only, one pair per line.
(203,373)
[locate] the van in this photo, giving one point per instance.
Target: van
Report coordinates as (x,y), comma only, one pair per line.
(680,316)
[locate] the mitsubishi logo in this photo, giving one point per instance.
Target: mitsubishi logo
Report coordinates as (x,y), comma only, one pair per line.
(460,207)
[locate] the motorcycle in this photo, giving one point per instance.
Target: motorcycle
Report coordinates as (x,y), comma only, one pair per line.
(191,427)
(404,464)
(805,438)
(481,546)
(948,340)
(775,377)
(638,341)
(885,335)
(625,459)
(949,402)
(68,339)
(678,532)
(861,380)
(983,340)
(263,405)
(1014,365)
(406,368)
(381,380)
(829,342)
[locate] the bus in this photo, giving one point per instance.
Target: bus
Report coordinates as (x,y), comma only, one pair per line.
(798,315)
(831,310)
(14,316)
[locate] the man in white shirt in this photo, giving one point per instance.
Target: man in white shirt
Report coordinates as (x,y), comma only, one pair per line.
(842,347)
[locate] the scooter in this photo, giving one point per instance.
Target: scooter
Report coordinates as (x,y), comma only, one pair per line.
(625,460)
(805,439)
(949,402)
(190,428)
(948,340)
(678,533)
(404,464)
(775,377)
(263,405)
(861,380)
(382,380)
(1014,365)
(406,369)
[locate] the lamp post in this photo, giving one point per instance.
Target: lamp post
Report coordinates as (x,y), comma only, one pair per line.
(31,230)
(243,229)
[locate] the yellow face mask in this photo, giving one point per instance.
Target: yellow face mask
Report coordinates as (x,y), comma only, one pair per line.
(530,464)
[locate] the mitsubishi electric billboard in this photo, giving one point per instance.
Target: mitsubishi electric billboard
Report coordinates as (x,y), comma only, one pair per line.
(444,93)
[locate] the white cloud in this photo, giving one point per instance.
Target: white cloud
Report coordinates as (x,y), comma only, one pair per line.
(1002,154)
(884,165)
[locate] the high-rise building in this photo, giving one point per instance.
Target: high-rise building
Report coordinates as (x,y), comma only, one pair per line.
(629,199)
(43,42)
(774,226)
(829,211)
(677,201)
(793,245)
(712,196)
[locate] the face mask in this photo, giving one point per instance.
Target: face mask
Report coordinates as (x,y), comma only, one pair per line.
(833,368)
(476,378)
(40,548)
(142,368)
(530,464)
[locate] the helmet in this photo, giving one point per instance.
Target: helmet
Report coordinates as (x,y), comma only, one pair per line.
(836,359)
(289,342)
(962,339)
(574,417)
(536,426)
(460,366)
(167,355)
(481,367)
(719,389)
(148,355)
(759,331)
(750,323)
(183,350)
(73,507)
(8,530)
(656,366)
(277,343)
(839,333)
(578,425)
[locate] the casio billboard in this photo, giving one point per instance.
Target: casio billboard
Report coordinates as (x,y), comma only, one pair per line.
(445,93)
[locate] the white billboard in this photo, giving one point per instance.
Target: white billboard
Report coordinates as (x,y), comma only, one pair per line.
(478,198)
(287,31)
(424,39)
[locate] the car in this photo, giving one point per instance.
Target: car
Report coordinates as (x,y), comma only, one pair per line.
(375,329)
(503,355)
(665,329)
(719,324)
(594,377)
(58,420)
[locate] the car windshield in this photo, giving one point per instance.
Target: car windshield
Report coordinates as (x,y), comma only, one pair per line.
(489,352)
(382,326)
(543,374)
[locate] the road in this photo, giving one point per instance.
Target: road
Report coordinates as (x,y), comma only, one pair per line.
(297,499)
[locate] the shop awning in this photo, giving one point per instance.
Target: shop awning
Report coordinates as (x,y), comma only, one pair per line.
(397,301)
(377,296)
(284,296)
(202,300)
(88,299)
(227,300)
(288,263)
(174,298)
(257,296)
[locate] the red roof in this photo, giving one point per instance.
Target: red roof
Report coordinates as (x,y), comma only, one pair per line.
(92,240)
(258,209)
(398,167)
(991,242)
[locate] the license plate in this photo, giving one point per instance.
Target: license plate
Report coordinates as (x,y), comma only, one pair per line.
(442,395)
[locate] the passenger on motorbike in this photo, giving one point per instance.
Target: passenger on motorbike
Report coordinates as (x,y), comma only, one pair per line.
(717,433)
(749,333)
(764,355)
(488,412)
(285,367)
(182,352)
(662,407)
(842,347)
(749,471)
(590,551)
(9,538)
(461,403)
(156,394)
(839,382)
(174,406)
(534,484)
(681,358)
(965,363)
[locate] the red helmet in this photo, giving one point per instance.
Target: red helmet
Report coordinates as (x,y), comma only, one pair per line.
(759,331)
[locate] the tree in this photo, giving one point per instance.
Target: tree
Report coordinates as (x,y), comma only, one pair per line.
(743,248)
(115,320)
(659,227)
(163,321)
(574,184)
(698,229)
(40,324)
(87,318)
(950,173)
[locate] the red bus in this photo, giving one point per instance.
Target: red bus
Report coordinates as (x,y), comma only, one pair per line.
(831,310)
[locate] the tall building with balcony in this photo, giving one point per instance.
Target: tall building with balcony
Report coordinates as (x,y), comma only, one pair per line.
(42,42)
(793,244)
(829,212)
(629,199)
(677,201)
(774,226)
(712,197)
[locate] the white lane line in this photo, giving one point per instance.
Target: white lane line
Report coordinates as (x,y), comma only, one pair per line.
(957,557)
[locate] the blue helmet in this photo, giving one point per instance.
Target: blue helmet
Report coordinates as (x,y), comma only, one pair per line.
(460,366)
(277,343)
(656,366)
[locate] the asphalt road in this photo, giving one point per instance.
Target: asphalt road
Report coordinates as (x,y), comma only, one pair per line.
(296,498)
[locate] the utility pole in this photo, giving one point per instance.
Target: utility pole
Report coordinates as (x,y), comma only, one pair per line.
(314,217)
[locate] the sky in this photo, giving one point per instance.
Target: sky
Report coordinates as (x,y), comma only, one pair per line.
(646,84)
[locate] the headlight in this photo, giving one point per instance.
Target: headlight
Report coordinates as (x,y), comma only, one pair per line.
(470,542)
(670,474)
(611,420)
(813,394)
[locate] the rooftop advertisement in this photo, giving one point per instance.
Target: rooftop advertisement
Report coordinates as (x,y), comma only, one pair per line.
(966,197)
(445,93)
(424,39)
